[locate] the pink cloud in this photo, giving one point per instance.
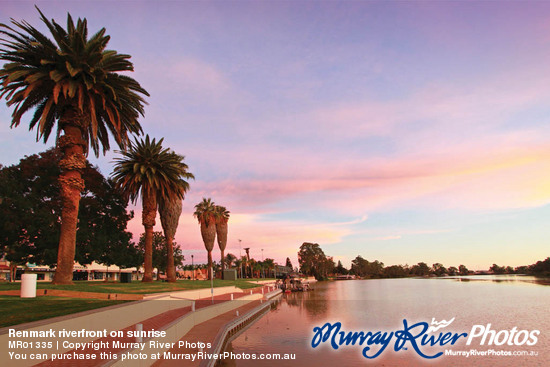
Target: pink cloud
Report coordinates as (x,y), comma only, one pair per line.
(373,184)
(279,239)
(471,177)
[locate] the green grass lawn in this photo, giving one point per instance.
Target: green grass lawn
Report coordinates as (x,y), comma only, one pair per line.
(15,310)
(136,287)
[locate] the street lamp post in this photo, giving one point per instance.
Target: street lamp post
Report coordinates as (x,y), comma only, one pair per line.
(193,267)
(263,271)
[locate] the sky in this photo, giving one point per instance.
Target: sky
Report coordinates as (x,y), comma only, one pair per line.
(398,131)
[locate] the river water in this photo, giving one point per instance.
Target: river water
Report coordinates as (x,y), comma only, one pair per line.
(375,305)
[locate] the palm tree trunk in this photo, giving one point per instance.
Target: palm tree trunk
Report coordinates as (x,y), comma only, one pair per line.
(208,234)
(148,256)
(170,211)
(72,184)
(221,232)
(148,219)
(209,265)
(170,268)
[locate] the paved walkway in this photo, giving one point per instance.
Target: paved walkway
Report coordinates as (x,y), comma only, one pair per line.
(157,322)
(205,332)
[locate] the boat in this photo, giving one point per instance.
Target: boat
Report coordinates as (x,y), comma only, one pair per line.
(296,285)
(345,277)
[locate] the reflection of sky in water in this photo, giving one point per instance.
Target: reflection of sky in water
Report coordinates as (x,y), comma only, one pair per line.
(381,305)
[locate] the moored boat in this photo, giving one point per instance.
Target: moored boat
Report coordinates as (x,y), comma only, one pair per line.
(345,277)
(296,285)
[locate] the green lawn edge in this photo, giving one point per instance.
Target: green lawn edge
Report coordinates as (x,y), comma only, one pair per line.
(138,287)
(16,310)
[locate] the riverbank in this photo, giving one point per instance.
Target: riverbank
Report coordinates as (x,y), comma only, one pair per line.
(174,314)
(56,300)
(137,287)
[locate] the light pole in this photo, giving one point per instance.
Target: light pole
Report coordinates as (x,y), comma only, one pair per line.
(193,267)
(263,272)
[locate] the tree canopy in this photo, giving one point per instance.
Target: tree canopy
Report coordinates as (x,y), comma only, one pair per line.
(31,212)
(71,72)
(365,268)
(314,262)
(160,251)
(157,174)
(73,85)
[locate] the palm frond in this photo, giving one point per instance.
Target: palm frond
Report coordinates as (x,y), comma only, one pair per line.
(75,73)
(147,166)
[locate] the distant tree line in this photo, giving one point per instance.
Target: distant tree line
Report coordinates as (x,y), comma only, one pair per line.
(376,269)
(246,267)
(540,268)
(314,262)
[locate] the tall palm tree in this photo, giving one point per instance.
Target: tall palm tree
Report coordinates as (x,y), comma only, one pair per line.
(73,86)
(205,212)
(222,217)
(170,211)
(155,173)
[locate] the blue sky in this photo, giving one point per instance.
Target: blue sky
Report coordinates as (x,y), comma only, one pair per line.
(400,131)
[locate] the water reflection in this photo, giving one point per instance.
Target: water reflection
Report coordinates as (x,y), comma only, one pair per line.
(372,305)
(228,362)
(314,306)
(502,279)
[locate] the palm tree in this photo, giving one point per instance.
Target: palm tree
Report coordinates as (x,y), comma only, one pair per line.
(205,212)
(244,265)
(222,217)
(255,268)
(270,265)
(216,267)
(239,265)
(73,86)
(170,211)
(229,259)
(155,173)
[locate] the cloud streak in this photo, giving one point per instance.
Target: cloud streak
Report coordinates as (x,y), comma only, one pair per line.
(312,129)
